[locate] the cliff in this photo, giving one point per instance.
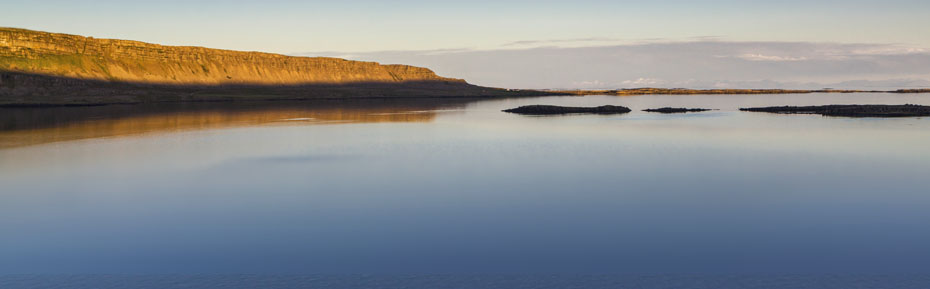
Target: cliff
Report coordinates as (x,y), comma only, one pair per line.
(133,61)
(41,68)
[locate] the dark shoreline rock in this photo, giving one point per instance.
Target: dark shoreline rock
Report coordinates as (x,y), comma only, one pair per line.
(554,109)
(676,110)
(850,110)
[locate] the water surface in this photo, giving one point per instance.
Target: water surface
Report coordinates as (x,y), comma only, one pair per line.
(399,188)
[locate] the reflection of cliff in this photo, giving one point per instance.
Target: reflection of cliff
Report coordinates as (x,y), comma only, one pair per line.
(40,68)
(23,127)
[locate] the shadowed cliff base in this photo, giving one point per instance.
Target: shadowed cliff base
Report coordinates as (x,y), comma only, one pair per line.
(850,110)
(19,89)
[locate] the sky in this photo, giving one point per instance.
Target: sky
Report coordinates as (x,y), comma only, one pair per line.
(541,44)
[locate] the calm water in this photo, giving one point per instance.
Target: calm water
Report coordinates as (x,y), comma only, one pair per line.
(409,189)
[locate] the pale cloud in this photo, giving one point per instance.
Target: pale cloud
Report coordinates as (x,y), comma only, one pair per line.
(697,64)
(642,81)
(556,41)
(889,50)
(762,57)
(599,41)
(589,84)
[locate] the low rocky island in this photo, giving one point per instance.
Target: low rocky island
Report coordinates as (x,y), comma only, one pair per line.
(850,110)
(554,109)
(676,110)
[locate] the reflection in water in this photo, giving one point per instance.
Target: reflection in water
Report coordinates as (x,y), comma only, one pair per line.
(479,191)
(31,126)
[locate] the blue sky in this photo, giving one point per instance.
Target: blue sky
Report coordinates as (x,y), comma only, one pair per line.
(369,28)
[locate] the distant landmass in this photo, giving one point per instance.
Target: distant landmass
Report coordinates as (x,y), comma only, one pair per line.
(677,91)
(41,68)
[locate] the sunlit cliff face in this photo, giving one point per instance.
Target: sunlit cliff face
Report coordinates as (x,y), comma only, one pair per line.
(132,61)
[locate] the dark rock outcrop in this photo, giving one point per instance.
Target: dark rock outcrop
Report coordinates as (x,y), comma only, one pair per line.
(850,110)
(676,110)
(554,109)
